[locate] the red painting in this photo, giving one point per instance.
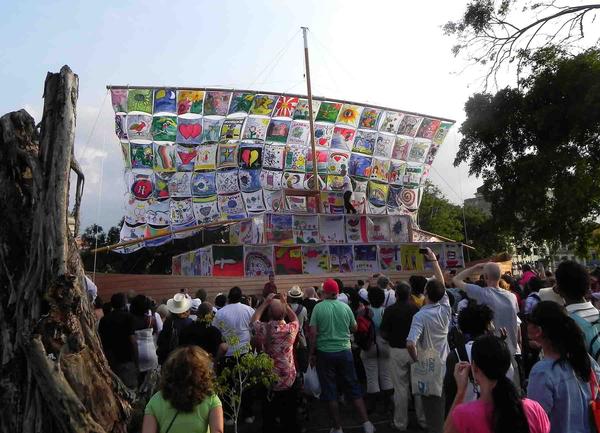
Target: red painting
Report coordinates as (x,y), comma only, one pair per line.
(288,260)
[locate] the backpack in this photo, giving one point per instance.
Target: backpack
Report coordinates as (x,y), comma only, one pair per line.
(365,331)
(591,333)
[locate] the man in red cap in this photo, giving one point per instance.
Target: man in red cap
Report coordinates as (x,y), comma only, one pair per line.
(331,324)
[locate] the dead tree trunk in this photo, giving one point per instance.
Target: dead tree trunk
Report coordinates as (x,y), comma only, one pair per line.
(53,374)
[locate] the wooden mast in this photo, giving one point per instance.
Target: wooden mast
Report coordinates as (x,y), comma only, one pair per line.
(317,183)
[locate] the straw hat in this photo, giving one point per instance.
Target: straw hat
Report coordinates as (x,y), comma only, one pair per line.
(180,303)
(295,292)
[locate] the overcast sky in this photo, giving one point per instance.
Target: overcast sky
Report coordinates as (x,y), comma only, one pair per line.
(390,53)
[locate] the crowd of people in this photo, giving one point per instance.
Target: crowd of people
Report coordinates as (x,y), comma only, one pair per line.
(477,351)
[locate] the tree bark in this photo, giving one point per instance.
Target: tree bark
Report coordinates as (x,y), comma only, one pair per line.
(53,374)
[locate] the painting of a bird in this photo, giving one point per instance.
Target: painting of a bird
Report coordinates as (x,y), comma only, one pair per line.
(138,127)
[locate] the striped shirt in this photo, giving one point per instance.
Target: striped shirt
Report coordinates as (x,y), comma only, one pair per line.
(585,310)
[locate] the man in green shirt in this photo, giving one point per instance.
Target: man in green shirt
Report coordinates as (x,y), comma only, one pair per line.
(331,323)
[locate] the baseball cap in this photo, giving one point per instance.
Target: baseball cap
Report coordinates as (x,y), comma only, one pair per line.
(330,286)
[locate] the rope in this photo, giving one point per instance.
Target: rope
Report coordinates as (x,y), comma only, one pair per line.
(101,182)
(463,203)
(275,60)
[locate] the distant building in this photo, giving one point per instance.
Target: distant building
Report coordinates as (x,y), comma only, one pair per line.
(479,202)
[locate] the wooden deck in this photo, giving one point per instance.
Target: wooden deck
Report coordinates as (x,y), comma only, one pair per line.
(161,287)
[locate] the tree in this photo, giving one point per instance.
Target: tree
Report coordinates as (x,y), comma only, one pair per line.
(484,235)
(498,32)
(94,236)
(247,370)
(537,149)
(437,215)
(53,374)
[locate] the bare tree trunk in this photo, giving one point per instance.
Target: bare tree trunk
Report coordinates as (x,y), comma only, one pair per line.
(53,374)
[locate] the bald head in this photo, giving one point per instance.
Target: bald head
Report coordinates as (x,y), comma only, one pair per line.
(276,310)
(492,274)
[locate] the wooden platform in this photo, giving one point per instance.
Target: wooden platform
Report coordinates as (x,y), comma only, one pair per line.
(161,287)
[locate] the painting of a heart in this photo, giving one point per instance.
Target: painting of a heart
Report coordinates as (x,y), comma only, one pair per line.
(190,130)
(250,156)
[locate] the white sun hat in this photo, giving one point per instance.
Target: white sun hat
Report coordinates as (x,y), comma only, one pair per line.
(180,303)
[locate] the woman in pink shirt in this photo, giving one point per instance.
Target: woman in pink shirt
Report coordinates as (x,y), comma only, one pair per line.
(500,408)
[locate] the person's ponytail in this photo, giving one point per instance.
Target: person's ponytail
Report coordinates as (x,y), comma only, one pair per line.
(508,415)
(491,355)
(564,335)
(575,351)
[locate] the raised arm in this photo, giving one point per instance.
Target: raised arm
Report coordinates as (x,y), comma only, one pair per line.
(291,315)
(437,271)
(261,308)
(459,279)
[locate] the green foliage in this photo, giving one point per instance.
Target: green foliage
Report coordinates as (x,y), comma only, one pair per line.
(249,369)
(438,215)
(484,235)
(537,148)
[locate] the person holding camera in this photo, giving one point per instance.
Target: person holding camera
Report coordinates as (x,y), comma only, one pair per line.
(429,334)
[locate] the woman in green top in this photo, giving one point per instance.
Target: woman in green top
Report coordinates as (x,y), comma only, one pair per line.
(186,402)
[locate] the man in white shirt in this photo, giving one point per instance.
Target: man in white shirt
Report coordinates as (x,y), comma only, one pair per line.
(429,329)
(233,320)
(383,283)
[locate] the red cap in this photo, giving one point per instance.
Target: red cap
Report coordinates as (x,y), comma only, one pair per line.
(330,286)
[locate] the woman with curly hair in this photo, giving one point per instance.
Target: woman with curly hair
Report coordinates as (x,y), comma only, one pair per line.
(186,402)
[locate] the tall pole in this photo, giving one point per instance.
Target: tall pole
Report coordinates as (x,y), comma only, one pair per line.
(310,114)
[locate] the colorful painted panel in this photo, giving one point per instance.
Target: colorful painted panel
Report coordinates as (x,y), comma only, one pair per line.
(279,229)
(341,258)
(258,261)
(165,101)
(365,259)
(190,101)
(139,100)
(315,259)
(189,130)
(306,229)
(228,260)
(288,260)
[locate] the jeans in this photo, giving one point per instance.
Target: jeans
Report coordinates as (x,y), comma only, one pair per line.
(337,365)
(400,362)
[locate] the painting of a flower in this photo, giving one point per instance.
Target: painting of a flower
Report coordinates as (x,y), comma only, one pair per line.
(349,115)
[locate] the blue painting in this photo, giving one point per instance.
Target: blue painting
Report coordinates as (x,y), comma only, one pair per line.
(165,101)
(249,180)
(203,184)
(359,165)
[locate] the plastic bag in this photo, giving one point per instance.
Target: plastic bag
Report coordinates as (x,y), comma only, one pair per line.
(312,386)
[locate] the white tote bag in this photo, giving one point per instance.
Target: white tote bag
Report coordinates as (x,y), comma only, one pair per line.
(427,374)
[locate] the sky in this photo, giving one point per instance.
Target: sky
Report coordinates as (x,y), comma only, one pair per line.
(390,53)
